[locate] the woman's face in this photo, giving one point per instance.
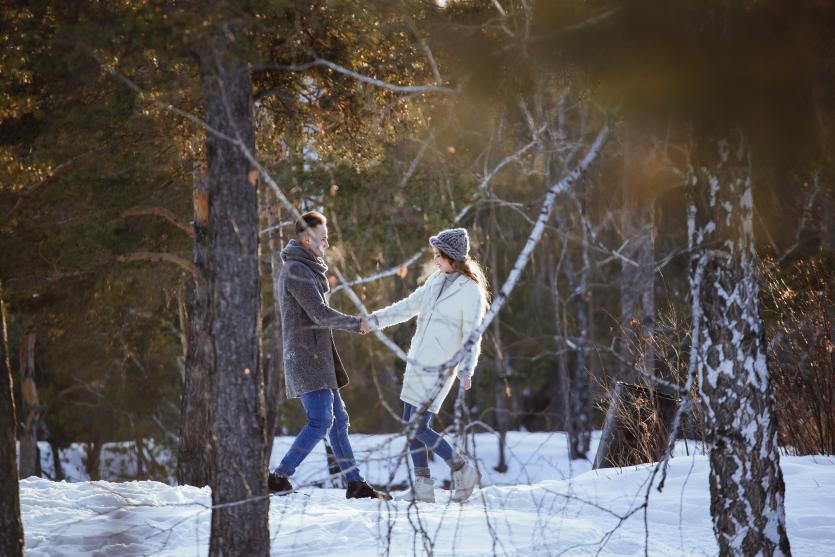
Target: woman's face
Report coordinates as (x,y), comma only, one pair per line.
(442,262)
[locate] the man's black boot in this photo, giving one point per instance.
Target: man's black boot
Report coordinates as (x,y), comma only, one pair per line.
(361,490)
(279,484)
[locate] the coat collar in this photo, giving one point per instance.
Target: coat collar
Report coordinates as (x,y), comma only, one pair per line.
(452,288)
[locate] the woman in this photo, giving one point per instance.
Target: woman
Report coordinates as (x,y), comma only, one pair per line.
(449,306)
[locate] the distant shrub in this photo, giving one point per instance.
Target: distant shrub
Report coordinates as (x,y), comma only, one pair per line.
(798,304)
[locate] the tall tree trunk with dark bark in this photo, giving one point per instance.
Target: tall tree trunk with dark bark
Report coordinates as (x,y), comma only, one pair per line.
(194,462)
(728,349)
(11,526)
(31,408)
(274,386)
(237,418)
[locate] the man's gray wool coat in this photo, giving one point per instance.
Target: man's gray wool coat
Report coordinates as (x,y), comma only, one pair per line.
(311,361)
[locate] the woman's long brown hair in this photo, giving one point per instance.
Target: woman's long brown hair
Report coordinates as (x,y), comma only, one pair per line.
(471,269)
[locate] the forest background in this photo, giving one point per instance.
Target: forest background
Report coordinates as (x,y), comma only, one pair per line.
(399,119)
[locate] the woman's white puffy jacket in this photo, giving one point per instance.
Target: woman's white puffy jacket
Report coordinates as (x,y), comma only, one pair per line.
(442,327)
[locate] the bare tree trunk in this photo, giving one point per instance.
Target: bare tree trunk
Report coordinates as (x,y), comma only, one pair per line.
(92,459)
(194,461)
(637,276)
(502,371)
(274,385)
(141,466)
(237,418)
(11,541)
(608,436)
(29,458)
(581,398)
(574,380)
(56,462)
(183,319)
(461,417)
(561,384)
(564,383)
(581,382)
(828,239)
(746,483)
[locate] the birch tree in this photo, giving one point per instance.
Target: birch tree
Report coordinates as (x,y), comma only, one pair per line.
(728,347)
(710,70)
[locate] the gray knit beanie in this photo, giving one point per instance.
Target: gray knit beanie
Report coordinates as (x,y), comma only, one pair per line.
(454,242)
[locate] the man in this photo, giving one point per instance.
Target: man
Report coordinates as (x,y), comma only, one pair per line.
(313,371)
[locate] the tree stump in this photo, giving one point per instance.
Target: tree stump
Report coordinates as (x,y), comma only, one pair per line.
(636,428)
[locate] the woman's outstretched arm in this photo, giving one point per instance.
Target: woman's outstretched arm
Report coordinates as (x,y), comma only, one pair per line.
(401,311)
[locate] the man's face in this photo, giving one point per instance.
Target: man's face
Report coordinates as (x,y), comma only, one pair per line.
(316,239)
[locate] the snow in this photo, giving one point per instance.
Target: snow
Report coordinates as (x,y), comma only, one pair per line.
(542,506)
(117,460)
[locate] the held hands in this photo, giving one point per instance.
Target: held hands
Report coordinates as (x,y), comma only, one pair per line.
(364,328)
(468,382)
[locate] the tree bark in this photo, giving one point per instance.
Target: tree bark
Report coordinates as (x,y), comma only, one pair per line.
(746,483)
(274,385)
(194,462)
(31,408)
(828,240)
(56,462)
(183,319)
(574,378)
(461,418)
(636,428)
(502,371)
(141,467)
(11,542)
(237,418)
(92,459)
(609,434)
(581,399)
(637,276)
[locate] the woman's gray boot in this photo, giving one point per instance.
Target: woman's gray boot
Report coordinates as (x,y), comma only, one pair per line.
(423,490)
(464,481)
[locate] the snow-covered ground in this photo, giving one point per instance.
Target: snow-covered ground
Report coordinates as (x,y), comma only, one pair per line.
(543,505)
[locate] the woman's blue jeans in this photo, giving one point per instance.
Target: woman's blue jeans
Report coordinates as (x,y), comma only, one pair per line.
(326,415)
(423,438)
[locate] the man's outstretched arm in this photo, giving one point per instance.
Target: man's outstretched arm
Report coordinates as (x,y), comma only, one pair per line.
(300,283)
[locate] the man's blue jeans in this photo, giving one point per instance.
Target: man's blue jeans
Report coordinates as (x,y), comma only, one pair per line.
(326,415)
(424,437)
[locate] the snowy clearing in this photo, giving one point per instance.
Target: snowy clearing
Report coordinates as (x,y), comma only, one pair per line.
(541,506)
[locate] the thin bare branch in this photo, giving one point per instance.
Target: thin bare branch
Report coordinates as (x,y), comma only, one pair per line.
(396,270)
(181,262)
(360,77)
(163,213)
(53,175)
